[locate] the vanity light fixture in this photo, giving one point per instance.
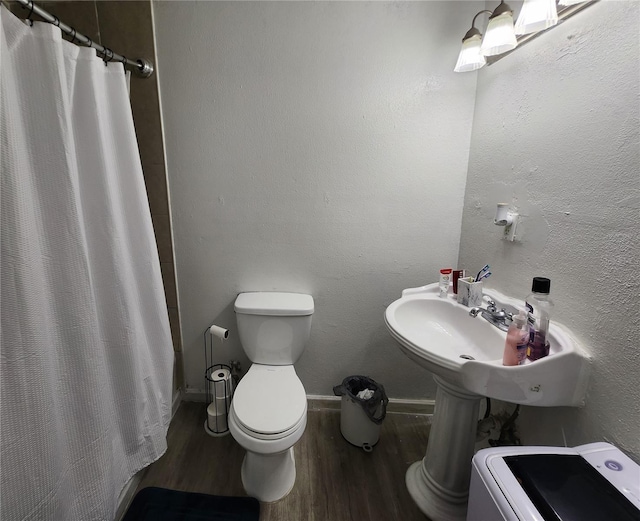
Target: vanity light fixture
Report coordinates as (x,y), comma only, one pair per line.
(500,37)
(536,15)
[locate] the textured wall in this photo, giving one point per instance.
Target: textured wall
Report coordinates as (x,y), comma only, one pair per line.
(556,133)
(315,147)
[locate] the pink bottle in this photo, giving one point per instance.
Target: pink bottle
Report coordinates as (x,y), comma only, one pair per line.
(515,347)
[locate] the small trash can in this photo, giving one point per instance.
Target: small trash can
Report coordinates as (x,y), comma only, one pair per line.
(364,407)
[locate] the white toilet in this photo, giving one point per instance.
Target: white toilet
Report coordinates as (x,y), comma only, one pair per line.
(269,408)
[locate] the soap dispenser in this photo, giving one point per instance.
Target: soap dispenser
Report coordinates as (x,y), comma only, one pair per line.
(515,347)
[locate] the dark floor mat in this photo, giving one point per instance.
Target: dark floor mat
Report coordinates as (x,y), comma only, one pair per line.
(161,504)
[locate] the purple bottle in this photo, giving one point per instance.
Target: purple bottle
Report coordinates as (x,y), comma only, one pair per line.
(539,310)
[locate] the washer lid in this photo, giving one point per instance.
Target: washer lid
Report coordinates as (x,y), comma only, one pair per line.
(532,481)
(272,303)
(270,399)
(567,487)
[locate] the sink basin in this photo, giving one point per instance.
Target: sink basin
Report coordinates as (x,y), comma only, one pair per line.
(464,354)
(441,336)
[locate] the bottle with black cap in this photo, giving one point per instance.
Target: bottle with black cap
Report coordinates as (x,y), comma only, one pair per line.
(539,311)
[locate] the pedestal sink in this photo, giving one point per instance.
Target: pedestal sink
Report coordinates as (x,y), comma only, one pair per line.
(465,356)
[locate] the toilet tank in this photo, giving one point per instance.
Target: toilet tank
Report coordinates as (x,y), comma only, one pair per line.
(274,327)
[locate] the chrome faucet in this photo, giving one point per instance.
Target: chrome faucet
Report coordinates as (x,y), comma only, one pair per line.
(499,318)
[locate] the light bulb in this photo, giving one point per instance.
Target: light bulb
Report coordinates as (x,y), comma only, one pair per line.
(536,15)
(500,36)
(470,57)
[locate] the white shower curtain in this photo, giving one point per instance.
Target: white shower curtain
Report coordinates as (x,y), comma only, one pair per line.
(86,356)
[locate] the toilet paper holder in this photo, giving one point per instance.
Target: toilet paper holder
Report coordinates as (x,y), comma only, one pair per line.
(218,382)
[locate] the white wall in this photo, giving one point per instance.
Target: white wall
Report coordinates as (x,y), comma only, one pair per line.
(315,147)
(556,133)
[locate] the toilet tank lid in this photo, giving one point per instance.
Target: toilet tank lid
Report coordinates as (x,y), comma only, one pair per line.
(272,303)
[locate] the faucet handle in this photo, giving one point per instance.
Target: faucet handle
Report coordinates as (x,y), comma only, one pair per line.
(473,312)
(491,305)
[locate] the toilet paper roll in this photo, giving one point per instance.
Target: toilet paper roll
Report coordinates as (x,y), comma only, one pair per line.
(222,384)
(222,404)
(219,332)
(217,419)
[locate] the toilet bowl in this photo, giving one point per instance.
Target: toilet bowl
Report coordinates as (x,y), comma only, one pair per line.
(268,416)
(268,412)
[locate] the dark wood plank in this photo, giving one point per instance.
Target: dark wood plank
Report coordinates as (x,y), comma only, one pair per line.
(335,480)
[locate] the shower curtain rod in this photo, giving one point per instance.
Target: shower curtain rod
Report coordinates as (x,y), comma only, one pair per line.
(143,67)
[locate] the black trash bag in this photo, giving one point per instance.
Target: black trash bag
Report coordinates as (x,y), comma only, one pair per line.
(376,406)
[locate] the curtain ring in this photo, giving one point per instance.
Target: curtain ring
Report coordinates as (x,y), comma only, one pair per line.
(124,63)
(73,36)
(30,14)
(56,22)
(107,56)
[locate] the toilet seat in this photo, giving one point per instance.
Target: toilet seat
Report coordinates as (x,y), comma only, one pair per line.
(270,402)
(270,437)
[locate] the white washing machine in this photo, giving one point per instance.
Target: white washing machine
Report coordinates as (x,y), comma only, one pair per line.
(594,482)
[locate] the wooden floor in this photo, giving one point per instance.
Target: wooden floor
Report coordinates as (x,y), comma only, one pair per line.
(335,480)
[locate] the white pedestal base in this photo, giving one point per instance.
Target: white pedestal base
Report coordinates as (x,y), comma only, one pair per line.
(269,477)
(439,484)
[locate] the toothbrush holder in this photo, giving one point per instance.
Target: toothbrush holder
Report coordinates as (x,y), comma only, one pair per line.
(469,293)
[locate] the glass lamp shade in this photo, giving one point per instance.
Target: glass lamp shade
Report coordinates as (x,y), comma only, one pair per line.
(470,57)
(536,15)
(500,36)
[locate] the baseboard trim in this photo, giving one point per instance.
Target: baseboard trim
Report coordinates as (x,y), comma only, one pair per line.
(194,395)
(395,406)
(317,402)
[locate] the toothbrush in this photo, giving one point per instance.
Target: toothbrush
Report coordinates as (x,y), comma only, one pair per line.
(485,275)
(482,271)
